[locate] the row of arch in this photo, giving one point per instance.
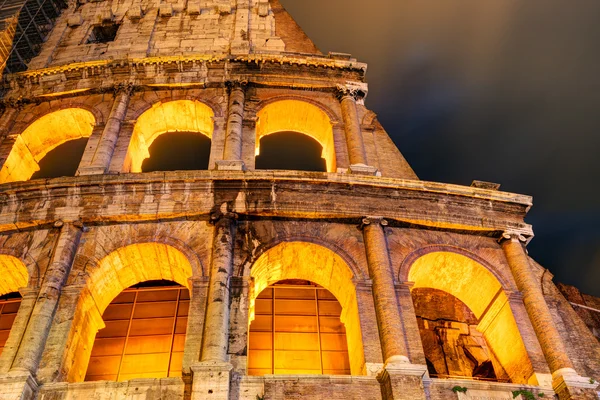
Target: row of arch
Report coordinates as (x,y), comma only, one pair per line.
(173,135)
(441,270)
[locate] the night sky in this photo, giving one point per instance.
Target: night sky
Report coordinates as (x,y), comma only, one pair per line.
(506,91)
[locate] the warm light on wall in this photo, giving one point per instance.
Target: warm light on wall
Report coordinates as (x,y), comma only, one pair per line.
(479,289)
(318,264)
(173,116)
(116,272)
(14,274)
(42,136)
(297,116)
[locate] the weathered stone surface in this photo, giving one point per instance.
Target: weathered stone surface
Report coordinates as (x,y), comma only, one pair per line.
(423,271)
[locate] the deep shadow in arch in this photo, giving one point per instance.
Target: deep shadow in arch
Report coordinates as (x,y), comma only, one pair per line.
(178,151)
(63,160)
(290,151)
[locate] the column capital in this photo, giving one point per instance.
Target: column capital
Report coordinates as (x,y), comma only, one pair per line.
(356,93)
(236,84)
(16,104)
(218,216)
(373,221)
(514,236)
(126,88)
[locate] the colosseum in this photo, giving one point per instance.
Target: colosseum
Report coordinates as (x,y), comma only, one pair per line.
(195,203)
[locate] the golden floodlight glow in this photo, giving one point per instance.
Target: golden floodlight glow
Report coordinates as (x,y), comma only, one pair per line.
(318,264)
(173,116)
(297,116)
(116,272)
(14,274)
(42,136)
(479,289)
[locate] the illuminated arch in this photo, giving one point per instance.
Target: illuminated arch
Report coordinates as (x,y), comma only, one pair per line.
(173,116)
(14,274)
(297,116)
(474,285)
(116,272)
(42,136)
(318,264)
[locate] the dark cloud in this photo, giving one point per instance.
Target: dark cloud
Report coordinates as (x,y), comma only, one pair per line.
(499,90)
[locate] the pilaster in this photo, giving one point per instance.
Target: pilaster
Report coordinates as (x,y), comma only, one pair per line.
(354,139)
(30,352)
(232,153)
(565,380)
(216,328)
(386,304)
(101,155)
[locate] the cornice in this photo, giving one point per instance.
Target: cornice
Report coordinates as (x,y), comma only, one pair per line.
(258,59)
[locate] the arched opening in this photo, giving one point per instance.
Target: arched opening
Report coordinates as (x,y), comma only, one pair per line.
(291,151)
(293,262)
(114,274)
(178,151)
(300,117)
(182,116)
(462,305)
(44,135)
(452,344)
(63,160)
(297,330)
(14,274)
(9,306)
(144,334)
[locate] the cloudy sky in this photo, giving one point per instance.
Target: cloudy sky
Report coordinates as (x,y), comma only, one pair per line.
(504,91)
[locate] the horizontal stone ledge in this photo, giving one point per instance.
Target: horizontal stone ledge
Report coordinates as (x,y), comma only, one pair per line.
(208,177)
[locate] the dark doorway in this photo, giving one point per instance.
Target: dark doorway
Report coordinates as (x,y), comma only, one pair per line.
(63,160)
(291,151)
(178,151)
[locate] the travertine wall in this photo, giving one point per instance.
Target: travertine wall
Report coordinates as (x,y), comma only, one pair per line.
(359,229)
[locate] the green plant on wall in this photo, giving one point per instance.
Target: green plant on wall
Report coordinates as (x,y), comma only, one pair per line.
(461,389)
(527,395)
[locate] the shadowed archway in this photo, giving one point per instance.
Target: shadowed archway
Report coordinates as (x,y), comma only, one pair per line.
(476,288)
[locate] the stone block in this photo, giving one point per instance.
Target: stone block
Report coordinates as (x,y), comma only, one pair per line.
(75,21)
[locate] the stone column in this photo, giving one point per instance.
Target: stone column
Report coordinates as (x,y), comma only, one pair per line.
(565,380)
(386,304)
(102,154)
(34,339)
(399,378)
(28,298)
(232,153)
(354,137)
(211,375)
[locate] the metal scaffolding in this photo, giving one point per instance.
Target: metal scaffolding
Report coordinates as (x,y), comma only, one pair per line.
(24,26)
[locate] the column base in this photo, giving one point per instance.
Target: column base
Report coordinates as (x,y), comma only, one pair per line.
(402,381)
(91,171)
(362,169)
(230,165)
(18,385)
(211,380)
(567,384)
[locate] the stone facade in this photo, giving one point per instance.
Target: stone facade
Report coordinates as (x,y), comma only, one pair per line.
(382,241)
